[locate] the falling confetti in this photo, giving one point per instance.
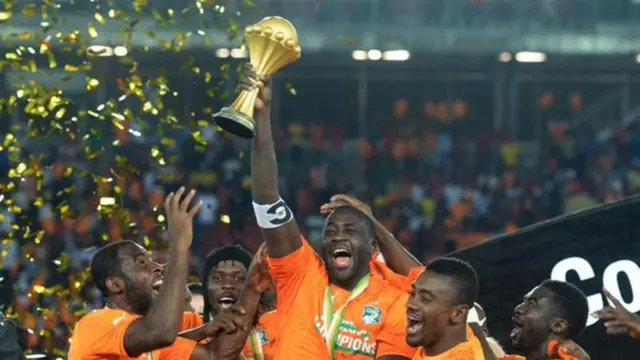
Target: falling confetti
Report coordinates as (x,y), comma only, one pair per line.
(52,73)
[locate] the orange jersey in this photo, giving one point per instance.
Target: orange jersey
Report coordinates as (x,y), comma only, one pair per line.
(191,320)
(370,325)
(399,281)
(261,342)
(100,335)
(468,350)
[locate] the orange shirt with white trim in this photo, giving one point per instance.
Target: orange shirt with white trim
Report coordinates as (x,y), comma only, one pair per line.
(100,335)
(262,338)
(373,325)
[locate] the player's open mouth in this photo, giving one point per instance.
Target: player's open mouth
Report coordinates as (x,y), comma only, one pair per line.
(156,285)
(225,302)
(517,329)
(414,324)
(342,258)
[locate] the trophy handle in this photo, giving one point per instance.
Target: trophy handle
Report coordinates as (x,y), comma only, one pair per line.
(238,117)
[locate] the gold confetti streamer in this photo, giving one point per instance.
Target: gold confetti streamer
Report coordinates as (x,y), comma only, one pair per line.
(91,29)
(50,112)
(99,18)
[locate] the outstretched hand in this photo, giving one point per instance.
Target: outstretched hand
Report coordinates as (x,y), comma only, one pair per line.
(180,217)
(249,80)
(617,319)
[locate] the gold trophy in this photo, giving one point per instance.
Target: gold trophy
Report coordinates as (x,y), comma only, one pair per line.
(272,44)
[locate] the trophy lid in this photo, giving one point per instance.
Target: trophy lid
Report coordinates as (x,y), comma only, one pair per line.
(277,27)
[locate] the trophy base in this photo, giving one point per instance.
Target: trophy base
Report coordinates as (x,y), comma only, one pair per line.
(236,122)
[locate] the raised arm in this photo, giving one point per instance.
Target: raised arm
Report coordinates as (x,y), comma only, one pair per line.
(397,256)
(159,326)
(274,217)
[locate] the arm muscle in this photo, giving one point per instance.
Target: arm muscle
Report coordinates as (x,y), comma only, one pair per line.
(284,239)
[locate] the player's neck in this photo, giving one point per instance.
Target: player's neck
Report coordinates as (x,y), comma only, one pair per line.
(118,304)
(349,284)
(451,339)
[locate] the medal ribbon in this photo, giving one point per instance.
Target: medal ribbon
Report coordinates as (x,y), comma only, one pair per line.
(256,346)
(333,320)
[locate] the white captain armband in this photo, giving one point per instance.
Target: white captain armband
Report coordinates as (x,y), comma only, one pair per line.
(272,216)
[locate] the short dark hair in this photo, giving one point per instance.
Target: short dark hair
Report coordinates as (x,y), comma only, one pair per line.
(195,288)
(106,263)
(571,302)
(224,253)
(463,275)
(368,225)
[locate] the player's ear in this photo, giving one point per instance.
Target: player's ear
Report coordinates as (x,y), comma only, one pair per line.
(459,314)
(115,285)
(559,326)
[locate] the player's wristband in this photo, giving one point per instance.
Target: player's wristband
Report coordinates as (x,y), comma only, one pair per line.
(272,216)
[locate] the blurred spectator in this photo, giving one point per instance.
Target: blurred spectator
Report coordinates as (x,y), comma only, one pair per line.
(10,347)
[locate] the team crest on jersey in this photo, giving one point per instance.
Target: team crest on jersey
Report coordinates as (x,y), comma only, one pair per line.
(371,315)
(262,336)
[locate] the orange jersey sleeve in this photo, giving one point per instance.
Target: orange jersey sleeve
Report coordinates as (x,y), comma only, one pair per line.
(399,281)
(100,334)
(191,320)
(391,339)
(301,281)
(563,352)
(289,273)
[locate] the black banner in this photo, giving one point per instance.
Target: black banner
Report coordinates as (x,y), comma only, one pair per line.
(592,248)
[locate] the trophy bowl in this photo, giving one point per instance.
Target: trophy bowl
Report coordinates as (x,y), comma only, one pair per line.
(272,45)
